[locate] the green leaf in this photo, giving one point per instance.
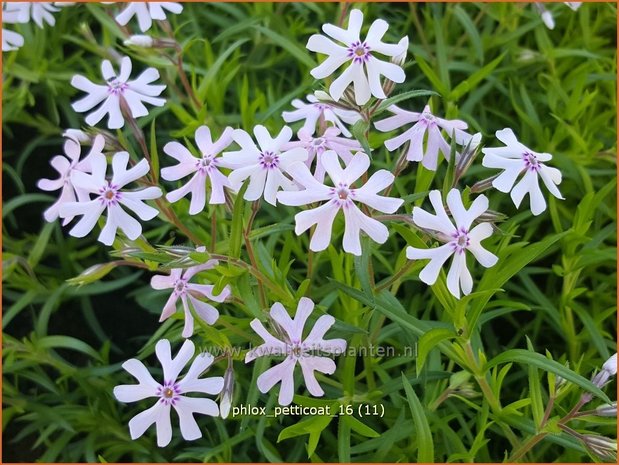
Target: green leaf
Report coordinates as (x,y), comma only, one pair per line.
(154,154)
(527,357)
(425,445)
(236,228)
(359,427)
(430,340)
(469,84)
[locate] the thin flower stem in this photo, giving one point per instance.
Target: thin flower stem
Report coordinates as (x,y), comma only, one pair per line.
(214,229)
(526,447)
(250,251)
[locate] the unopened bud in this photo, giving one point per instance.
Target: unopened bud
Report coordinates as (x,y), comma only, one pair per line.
(140,41)
(605,448)
(606,410)
(227,392)
(483,185)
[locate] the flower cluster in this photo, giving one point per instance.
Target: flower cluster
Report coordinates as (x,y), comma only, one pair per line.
(324,168)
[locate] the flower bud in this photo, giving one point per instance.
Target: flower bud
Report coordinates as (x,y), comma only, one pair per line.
(606,410)
(140,40)
(603,447)
(227,392)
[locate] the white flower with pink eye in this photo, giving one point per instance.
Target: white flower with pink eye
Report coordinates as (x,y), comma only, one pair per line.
(264,164)
(291,344)
(170,393)
(359,54)
(342,195)
(316,110)
(458,238)
(109,197)
(426,126)
(316,146)
(190,293)
(146,12)
(516,159)
(207,166)
(65,166)
(116,92)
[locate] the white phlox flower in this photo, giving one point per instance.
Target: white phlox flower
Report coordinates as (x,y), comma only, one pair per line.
(171,392)
(426,127)
(264,164)
(364,69)
(458,237)
(341,196)
(117,90)
(110,197)
(291,344)
(65,165)
(313,111)
(146,12)
(516,159)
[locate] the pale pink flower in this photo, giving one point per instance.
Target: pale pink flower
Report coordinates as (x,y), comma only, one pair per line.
(316,146)
(458,237)
(117,88)
(291,344)
(425,123)
(189,292)
(313,111)
(359,54)
(264,164)
(109,196)
(202,168)
(171,392)
(65,165)
(146,12)
(516,159)
(341,196)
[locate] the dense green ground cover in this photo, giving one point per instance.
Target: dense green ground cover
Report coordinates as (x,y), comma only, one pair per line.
(547,309)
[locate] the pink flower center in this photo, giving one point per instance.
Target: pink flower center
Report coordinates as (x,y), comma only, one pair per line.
(318,145)
(531,162)
(269,160)
(460,240)
(342,194)
(109,194)
(359,52)
(206,163)
(180,286)
(169,393)
(322,106)
(116,87)
(295,349)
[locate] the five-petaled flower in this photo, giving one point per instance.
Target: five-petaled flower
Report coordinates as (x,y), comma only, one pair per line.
(317,111)
(329,140)
(118,94)
(146,12)
(109,197)
(65,165)
(359,54)
(341,196)
(425,123)
(264,164)
(516,159)
(296,349)
(188,292)
(458,237)
(204,167)
(171,392)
